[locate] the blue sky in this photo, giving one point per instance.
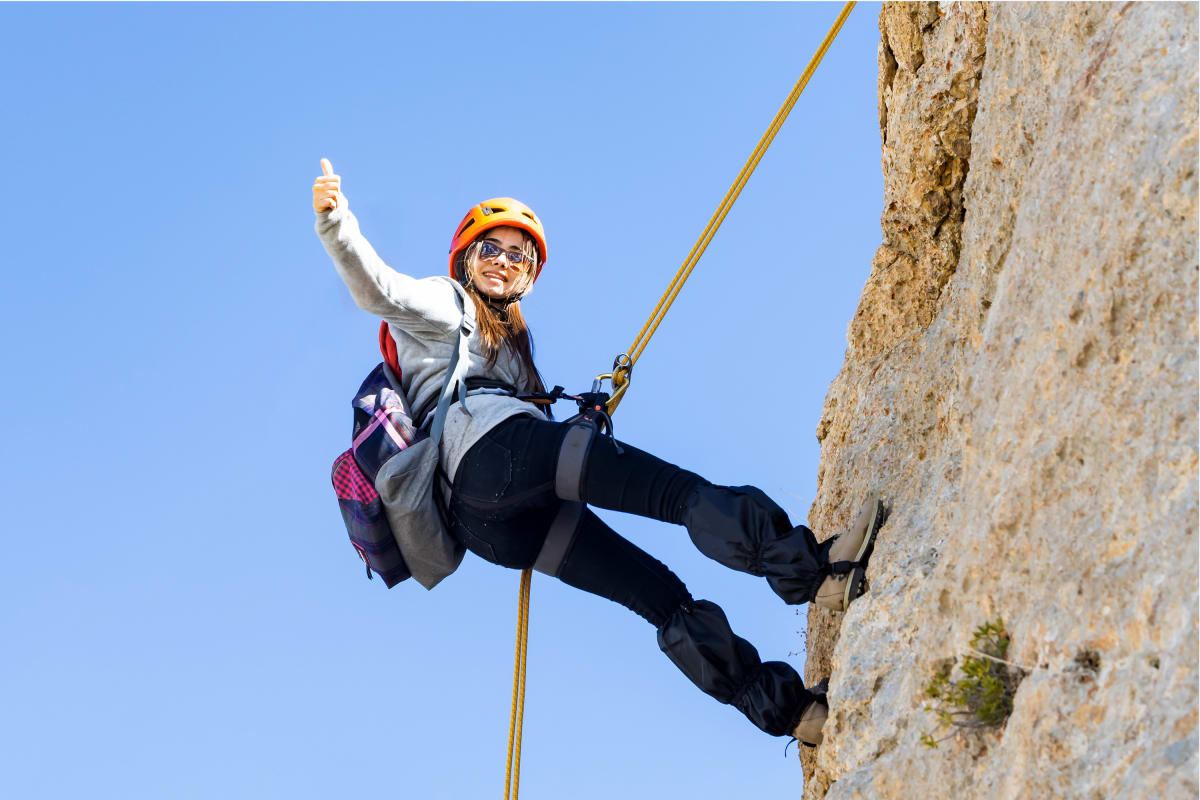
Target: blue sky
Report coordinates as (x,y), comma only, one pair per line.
(182,614)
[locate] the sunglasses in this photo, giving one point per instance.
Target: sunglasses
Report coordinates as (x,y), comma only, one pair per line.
(515,257)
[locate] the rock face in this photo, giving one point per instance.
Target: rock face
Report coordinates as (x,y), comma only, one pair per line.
(1021,383)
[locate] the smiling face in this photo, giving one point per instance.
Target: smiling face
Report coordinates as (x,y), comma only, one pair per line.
(497,277)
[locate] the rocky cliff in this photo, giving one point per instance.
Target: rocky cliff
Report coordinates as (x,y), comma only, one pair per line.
(1021,384)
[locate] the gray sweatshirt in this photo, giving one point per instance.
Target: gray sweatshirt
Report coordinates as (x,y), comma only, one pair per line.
(423,317)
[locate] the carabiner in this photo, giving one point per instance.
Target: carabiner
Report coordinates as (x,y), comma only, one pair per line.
(620,377)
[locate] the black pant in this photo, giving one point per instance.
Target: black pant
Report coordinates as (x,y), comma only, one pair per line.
(504,500)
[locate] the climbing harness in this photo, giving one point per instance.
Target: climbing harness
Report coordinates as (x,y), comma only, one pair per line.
(597,407)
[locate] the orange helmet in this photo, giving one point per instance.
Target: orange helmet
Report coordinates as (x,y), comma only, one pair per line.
(495,213)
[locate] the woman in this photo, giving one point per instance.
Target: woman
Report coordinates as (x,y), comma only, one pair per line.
(515,502)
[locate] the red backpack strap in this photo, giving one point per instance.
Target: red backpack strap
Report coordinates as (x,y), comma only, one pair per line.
(387,346)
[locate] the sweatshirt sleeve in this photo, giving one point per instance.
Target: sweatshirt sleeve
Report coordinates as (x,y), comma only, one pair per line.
(427,306)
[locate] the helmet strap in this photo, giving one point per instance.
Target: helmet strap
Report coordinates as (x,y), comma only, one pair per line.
(501,304)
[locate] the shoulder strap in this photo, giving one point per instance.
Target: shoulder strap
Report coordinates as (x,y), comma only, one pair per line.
(456,371)
(459,360)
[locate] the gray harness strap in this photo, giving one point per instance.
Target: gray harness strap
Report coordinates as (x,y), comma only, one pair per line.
(568,477)
(559,538)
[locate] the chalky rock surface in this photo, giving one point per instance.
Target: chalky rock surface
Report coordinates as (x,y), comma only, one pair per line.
(1021,383)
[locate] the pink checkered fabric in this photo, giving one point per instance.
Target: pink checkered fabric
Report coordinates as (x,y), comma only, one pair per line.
(349,481)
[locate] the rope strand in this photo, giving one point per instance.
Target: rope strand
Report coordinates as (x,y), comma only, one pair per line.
(668,299)
(516,716)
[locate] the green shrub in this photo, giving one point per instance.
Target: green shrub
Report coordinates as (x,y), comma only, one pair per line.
(981,696)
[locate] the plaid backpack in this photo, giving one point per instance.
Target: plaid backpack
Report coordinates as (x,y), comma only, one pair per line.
(383,426)
(385,481)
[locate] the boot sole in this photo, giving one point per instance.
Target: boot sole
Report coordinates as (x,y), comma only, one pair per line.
(858,575)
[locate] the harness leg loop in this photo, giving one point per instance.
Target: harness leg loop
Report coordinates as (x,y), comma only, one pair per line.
(559,538)
(572,457)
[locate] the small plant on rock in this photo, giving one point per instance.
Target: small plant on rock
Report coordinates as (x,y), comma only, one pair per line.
(982,696)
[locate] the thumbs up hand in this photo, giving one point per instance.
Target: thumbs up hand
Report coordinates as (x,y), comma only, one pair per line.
(327,189)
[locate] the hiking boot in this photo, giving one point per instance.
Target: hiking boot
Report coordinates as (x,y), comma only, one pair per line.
(808,729)
(848,558)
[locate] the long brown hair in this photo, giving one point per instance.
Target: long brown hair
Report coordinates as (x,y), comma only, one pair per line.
(500,322)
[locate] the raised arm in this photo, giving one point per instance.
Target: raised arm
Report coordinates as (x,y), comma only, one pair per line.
(426,306)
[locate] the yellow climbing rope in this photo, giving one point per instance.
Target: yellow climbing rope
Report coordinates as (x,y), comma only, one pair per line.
(623,367)
(516,716)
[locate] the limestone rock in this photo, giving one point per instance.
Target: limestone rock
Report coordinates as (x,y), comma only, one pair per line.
(1021,383)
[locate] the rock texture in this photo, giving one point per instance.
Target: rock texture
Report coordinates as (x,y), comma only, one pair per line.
(1021,383)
